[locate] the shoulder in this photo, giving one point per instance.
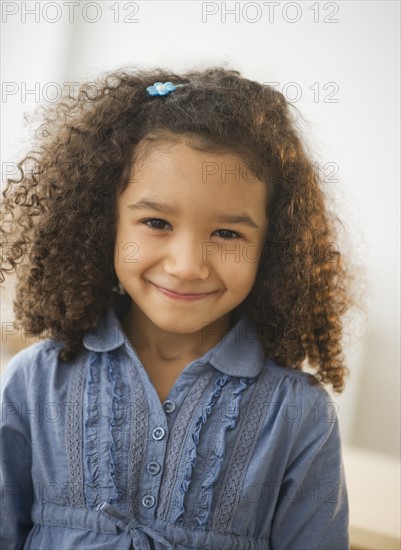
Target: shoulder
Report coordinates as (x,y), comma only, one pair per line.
(30,365)
(298,402)
(32,355)
(293,384)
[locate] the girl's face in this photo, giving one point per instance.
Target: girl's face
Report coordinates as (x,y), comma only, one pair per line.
(190,230)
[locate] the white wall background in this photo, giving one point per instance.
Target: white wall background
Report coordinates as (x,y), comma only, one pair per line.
(354,45)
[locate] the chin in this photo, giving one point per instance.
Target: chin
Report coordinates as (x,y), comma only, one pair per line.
(181,325)
(182,329)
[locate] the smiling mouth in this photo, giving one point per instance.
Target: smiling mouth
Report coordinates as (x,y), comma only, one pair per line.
(180,295)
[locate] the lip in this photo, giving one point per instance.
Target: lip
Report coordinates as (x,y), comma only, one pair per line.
(181,296)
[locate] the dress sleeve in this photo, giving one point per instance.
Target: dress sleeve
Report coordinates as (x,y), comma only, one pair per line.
(312,507)
(15,456)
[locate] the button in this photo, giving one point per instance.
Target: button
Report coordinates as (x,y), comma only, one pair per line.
(153,468)
(158,433)
(148,501)
(168,406)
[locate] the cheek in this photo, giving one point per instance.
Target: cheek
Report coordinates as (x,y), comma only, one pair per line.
(128,254)
(125,249)
(250,254)
(134,251)
(240,270)
(236,254)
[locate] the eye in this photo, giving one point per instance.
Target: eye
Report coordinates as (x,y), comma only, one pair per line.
(228,234)
(156,223)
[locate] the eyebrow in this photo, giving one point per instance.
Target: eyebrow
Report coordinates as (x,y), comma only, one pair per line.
(236,218)
(146,204)
(165,208)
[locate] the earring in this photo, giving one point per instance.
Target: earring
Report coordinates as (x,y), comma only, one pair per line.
(119,289)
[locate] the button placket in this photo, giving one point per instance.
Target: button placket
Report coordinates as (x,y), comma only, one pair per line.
(153,468)
(168,406)
(148,501)
(158,433)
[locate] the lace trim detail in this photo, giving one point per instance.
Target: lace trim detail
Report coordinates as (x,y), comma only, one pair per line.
(74,434)
(178,506)
(92,427)
(138,419)
(227,503)
(117,417)
(176,441)
(216,456)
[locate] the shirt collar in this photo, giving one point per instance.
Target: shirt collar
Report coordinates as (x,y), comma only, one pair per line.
(107,335)
(238,353)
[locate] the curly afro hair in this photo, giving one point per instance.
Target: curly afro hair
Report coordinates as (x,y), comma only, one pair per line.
(59,214)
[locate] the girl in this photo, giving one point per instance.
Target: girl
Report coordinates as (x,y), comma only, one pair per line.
(176,255)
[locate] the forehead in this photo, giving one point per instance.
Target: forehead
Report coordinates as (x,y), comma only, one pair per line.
(168,167)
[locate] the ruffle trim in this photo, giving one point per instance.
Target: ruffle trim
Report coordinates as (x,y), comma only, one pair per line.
(215,460)
(192,451)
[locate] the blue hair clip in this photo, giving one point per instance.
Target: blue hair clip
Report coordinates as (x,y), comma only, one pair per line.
(160,88)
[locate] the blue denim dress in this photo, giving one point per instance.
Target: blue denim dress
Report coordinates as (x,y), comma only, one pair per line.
(243,454)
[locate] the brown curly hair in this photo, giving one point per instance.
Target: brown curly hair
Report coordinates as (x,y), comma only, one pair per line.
(59,215)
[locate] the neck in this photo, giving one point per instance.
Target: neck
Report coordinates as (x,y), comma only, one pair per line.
(148,338)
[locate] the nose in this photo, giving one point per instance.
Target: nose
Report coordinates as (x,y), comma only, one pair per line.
(184,259)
